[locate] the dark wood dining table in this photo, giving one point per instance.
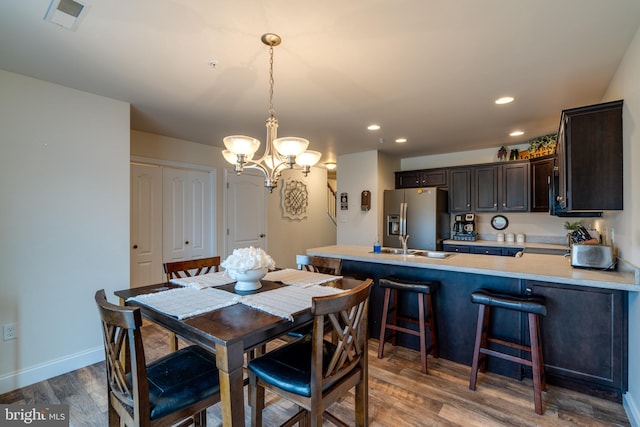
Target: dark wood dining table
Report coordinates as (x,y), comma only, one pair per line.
(230,332)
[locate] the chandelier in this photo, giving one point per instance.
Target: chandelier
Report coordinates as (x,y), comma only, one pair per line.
(279,153)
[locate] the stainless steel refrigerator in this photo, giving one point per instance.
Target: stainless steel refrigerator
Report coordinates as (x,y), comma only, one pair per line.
(420,213)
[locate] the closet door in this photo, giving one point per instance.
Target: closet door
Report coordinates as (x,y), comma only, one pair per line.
(187,214)
(146,225)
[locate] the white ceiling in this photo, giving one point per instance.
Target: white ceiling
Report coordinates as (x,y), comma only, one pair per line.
(426,70)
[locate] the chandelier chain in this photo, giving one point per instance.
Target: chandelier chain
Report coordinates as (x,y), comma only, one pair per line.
(271,82)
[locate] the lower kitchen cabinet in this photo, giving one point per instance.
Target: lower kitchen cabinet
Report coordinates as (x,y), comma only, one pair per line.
(584,334)
(486,250)
(483,250)
(584,337)
(463,249)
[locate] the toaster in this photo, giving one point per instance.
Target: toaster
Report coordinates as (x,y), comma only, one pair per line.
(592,256)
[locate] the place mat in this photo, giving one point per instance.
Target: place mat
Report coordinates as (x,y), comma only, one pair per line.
(301,278)
(287,301)
(186,302)
(209,280)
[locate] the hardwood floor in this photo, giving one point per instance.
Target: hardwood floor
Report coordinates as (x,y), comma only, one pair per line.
(400,395)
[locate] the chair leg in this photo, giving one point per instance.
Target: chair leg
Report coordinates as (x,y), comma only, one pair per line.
(536,362)
(480,331)
(173,342)
(423,333)
(256,401)
(432,327)
(394,318)
(383,323)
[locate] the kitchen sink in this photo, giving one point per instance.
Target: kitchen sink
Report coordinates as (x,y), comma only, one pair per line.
(397,251)
(415,252)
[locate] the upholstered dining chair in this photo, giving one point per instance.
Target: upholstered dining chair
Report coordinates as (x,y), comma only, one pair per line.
(188,268)
(175,388)
(319,264)
(313,372)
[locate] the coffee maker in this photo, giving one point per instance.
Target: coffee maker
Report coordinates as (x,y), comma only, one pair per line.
(464,227)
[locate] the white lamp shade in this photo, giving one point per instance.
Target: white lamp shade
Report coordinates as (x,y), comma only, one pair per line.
(308,158)
(290,145)
(240,144)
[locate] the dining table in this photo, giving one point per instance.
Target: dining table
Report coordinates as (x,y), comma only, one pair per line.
(233,330)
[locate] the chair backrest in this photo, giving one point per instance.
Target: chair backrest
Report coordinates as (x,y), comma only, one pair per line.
(124,356)
(191,267)
(320,264)
(344,315)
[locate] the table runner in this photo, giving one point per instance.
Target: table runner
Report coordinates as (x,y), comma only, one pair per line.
(186,302)
(286,301)
(202,281)
(300,278)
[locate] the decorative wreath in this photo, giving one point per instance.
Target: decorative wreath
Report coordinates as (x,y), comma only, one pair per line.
(295,199)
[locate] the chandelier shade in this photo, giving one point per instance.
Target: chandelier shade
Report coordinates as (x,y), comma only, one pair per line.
(279,153)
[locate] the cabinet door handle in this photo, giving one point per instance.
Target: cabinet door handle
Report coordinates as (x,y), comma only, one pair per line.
(504,204)
(262,235)
(135,246)
(186,243)
(495,204)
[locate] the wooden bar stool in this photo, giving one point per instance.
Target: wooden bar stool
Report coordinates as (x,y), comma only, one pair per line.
(423,291)
(534,306)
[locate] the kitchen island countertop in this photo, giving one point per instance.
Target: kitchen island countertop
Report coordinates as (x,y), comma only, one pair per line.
(547,268)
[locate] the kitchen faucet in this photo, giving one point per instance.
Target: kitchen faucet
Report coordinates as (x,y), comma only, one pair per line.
(403,240)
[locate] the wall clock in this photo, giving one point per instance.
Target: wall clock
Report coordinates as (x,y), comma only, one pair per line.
(499,222)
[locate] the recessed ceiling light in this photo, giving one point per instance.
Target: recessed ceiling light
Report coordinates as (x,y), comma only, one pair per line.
(504,100)
(516,133)
(401,140)
(373,127)
(330,165)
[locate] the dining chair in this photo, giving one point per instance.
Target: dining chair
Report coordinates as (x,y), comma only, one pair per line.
(178,387)
(319,264)
(312,372)
(188,268)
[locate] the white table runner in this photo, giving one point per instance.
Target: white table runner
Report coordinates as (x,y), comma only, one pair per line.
(202,281)
(186,302)
(300,278)
(288,300)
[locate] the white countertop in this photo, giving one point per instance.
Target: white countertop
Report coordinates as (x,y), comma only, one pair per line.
(547,268)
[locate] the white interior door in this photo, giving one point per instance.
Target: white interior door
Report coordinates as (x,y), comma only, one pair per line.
(245,211)
(146,225)
(187,214)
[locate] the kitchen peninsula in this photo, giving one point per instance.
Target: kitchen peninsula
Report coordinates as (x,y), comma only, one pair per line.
(584,332)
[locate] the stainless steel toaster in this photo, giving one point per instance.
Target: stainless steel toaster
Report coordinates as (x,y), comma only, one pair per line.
(592,256)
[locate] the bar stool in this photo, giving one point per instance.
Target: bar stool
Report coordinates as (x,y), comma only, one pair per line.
(423,291)
(534,306)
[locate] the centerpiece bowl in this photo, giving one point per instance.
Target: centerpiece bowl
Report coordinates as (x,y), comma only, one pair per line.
(248,280)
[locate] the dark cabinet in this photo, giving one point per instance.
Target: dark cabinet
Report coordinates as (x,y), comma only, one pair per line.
(422,178)
(463,249)
(460,190)
(589,158)
(500,187)
(514,187)
(584,336)
(485,188)
(486,250)
(541,174)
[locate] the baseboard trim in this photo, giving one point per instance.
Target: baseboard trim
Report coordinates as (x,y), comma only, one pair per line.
(50,369)
(632,410)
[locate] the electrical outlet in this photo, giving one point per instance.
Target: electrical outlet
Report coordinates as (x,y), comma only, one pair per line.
(9,331)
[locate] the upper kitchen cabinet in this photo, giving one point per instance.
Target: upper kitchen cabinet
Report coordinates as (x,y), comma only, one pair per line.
(589,159)
(460,189)
(541,174)
(422,178)
(501,187)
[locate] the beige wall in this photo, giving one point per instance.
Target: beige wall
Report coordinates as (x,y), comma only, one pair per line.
(358,172)
(626,85)
(289,237)
(64,185)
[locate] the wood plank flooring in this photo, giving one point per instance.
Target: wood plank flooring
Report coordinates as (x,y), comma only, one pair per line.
(400,395)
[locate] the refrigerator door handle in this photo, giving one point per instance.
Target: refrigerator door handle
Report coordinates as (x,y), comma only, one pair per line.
(403,219)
